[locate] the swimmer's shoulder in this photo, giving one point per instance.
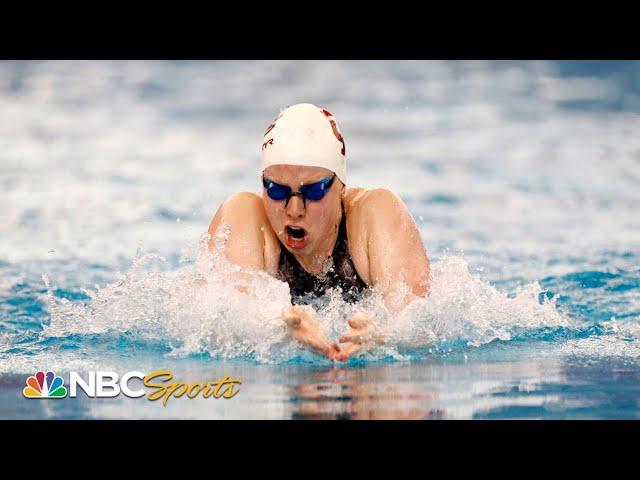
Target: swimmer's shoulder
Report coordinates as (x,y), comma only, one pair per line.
(363,205)
(352,202)
(357,202)
(244,211)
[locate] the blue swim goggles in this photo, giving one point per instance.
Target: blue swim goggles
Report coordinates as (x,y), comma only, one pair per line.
(314,191)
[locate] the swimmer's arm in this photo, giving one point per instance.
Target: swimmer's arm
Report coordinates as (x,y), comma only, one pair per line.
(395,251)
(396,257)
(248,246)
(243,213)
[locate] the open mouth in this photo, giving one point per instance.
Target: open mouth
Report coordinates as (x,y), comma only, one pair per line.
(296,233)
(295,238)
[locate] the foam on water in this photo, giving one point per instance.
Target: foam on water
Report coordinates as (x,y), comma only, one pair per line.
(198,310)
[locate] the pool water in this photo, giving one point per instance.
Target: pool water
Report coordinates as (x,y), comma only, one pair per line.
(523,179)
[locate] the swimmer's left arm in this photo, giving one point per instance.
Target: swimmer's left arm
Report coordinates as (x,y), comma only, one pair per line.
(395,250)
(396,257)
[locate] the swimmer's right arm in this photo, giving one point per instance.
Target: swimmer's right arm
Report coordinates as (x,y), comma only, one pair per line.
(245,247)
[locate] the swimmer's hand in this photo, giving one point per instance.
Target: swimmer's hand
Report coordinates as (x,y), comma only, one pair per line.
(305,329)
(363,335)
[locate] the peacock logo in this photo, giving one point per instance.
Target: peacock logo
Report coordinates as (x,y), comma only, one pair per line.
(43,385)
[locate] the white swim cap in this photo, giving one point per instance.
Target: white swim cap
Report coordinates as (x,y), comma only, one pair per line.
(304,134)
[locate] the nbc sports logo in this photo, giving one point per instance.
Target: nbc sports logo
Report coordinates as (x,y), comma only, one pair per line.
(43,385)
(110,384)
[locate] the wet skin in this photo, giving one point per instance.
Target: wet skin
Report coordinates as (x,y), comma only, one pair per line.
(383,239)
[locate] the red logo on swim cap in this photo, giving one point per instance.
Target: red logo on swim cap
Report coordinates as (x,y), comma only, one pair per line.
(336,132)
(270,127)
(273,124)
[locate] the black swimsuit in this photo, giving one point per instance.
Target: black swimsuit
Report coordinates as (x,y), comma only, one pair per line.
(343,274)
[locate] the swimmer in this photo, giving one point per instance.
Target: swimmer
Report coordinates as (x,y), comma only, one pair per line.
(311,231)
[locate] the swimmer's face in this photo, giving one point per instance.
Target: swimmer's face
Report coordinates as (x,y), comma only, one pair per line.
(319,219)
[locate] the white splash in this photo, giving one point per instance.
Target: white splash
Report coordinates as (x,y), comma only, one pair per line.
(199,309)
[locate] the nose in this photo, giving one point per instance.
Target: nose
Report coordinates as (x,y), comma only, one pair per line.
(295,207)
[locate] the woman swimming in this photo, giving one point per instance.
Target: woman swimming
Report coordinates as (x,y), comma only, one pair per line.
(311,231)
